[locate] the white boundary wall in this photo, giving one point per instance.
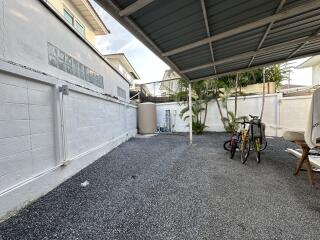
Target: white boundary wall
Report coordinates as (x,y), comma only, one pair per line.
(31,136)
(280,113)
(45,139)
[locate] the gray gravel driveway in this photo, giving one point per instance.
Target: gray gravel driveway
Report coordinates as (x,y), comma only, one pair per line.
(160,188)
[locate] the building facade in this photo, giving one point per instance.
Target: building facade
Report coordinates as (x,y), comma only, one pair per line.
(60,104)
(169,84)
(314,64)
(120,62)
(81,16)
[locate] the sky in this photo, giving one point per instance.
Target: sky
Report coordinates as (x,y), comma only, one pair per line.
(149,67)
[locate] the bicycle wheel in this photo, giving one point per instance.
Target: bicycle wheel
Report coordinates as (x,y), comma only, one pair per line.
(257,149)
(264,144)
(233,145)
(245,148)
(227,145)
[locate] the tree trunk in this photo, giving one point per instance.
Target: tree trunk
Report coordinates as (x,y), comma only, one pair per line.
(205,113)
(220,111)
(236,98)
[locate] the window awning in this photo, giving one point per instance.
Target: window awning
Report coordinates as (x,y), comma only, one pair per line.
(206,38)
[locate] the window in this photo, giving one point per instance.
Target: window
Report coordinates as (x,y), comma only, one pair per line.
(121,92)
(68,16)
(79,27)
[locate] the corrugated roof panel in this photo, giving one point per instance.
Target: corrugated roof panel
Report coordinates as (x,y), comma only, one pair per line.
(311,47)
(292,28)
(224,15)
(175,23)
(245,42)
(292,3)
(232,66)
(197,56)
(281,48)
(270,58)
(201,73)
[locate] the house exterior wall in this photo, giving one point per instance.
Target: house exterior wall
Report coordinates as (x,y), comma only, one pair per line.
(118,65)
(39,129)
(59,5)
(280,113)
(25,41)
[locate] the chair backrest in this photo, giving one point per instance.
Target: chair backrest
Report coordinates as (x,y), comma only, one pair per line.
(312,132)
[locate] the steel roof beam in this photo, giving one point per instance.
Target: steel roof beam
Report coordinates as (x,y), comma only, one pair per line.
(282,2)
(205,16)
(254,53)
(302,45)
(250,68)
(311,5)
(134,29)
(134,7)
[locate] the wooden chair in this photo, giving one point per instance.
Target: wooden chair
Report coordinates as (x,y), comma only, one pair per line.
(298,138)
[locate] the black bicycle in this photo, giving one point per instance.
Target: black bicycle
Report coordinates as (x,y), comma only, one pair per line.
(253,138)
(246,139)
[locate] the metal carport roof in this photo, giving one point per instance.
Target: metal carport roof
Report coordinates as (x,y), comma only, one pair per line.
(204,38)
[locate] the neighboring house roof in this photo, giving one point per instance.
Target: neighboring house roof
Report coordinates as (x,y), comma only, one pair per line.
(310,62)
(87,11)
(144,88)
(170,75)
(125,62)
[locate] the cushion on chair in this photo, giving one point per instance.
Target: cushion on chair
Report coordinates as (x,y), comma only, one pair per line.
(293,136)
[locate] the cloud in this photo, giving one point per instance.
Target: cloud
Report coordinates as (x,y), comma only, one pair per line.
(149,67)
(103,45)
(133,44)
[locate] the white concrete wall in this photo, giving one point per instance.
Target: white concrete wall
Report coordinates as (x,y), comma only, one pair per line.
(280,113)
(39,131)
(177,124)
(31,136)
(316,75)
(27,27)
(294,113)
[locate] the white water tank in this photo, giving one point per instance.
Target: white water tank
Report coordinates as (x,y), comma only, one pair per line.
(147,118)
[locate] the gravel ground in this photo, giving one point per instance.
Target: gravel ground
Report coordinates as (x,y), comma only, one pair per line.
(160,188)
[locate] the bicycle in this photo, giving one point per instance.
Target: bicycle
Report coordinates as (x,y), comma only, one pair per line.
(253,138)
(239,140)
(231,145)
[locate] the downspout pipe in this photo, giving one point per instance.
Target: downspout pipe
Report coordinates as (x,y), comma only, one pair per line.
(64,90)
(264,91)
(190,114)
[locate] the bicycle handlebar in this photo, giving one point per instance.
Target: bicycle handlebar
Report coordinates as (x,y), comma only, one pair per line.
(254,117)
(242,122)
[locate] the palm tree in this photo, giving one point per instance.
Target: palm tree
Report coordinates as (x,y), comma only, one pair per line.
(277,73)
(201,91)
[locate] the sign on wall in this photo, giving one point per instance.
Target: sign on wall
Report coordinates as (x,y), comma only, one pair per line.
(66,63)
